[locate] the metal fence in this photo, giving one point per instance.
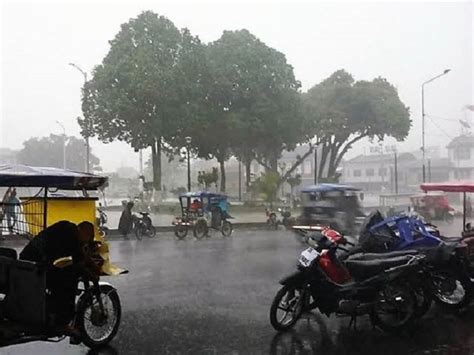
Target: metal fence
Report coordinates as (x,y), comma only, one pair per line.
(25,219)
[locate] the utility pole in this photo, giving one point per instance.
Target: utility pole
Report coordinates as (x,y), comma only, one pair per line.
(316,165)
(140,152)
(429,170)
(396,172)
(240,181)
(188,143)
(446,71)
(64,143)
(87,134)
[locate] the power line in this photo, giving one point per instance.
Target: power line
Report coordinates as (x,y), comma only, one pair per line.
(442,118)
(441,129)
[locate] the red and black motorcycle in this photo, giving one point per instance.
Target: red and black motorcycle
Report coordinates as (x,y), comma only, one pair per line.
(353,287)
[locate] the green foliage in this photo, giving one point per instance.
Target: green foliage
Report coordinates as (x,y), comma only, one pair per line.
(341,112)
(48,152)
(294,181)
(144,86)
(206,179)
(267,186)
(252,102)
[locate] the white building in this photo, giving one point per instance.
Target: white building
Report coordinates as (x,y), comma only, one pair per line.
(461,155)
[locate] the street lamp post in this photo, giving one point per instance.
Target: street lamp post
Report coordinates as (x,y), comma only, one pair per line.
(87,136)
(446,71)
(188,143)
(64,143)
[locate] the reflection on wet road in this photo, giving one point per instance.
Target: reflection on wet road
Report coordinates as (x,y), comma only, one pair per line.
(213,297)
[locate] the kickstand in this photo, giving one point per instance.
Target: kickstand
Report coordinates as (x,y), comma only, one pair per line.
(353,322)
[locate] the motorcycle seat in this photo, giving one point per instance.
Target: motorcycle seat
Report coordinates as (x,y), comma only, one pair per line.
(450,239)
(363,269)
(379,256)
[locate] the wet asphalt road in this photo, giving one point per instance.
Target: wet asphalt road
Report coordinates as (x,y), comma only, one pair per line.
(213,297)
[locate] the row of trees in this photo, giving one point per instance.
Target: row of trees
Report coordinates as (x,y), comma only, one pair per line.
(48,151)
(161,87)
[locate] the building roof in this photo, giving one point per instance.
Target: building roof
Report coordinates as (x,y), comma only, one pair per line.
(464,140)
(375,158)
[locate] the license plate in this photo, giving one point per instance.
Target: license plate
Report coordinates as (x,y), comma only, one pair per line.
(308,256)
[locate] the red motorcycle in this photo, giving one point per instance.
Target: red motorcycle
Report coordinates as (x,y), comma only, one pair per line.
(353,287)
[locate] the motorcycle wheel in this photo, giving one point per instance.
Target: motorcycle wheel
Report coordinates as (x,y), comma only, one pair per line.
(451,290)
(139,232)
(423,301)
(200,229)
(289,301)
(99,329)
(226,229)
(103,231)
(151,232)
(396,302)
(449,218)
(180,231)
(272,222)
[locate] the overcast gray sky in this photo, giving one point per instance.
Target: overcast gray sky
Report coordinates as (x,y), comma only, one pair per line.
(407,43)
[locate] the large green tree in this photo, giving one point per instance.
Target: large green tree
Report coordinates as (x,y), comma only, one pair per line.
(144,87)
(48,151)
(341,112)
(251,106)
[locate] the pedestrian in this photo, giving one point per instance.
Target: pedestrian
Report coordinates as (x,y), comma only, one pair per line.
(126,220)
(13,204)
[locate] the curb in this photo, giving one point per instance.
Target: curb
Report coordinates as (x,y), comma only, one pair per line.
(113,233)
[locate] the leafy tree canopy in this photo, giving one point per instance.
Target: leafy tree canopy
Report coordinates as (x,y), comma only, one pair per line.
(144,86)
(340,112)
(48,152)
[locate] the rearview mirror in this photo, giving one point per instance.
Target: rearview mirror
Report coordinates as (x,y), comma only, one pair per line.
(63,262)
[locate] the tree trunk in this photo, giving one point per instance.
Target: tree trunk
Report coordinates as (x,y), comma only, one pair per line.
(247,175)
(322,161)
(332,160)
(156,162)
(222,168)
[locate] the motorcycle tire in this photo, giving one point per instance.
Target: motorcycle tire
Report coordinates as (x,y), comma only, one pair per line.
(103,232)
(180,231)
(151,232)
(273,222)
(462,283)
(391,294)
(139,232)
(423,301)
(276,305)
(226,229)
(200,229)
(82,319)
(449,218)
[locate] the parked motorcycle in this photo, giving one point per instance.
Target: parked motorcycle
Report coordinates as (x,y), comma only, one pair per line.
(102,222)
(447,260)
(272,221)
(286,220)
(143,226)
(351,288)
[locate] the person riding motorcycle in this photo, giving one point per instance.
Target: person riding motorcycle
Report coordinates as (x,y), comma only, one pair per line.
(60,240)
